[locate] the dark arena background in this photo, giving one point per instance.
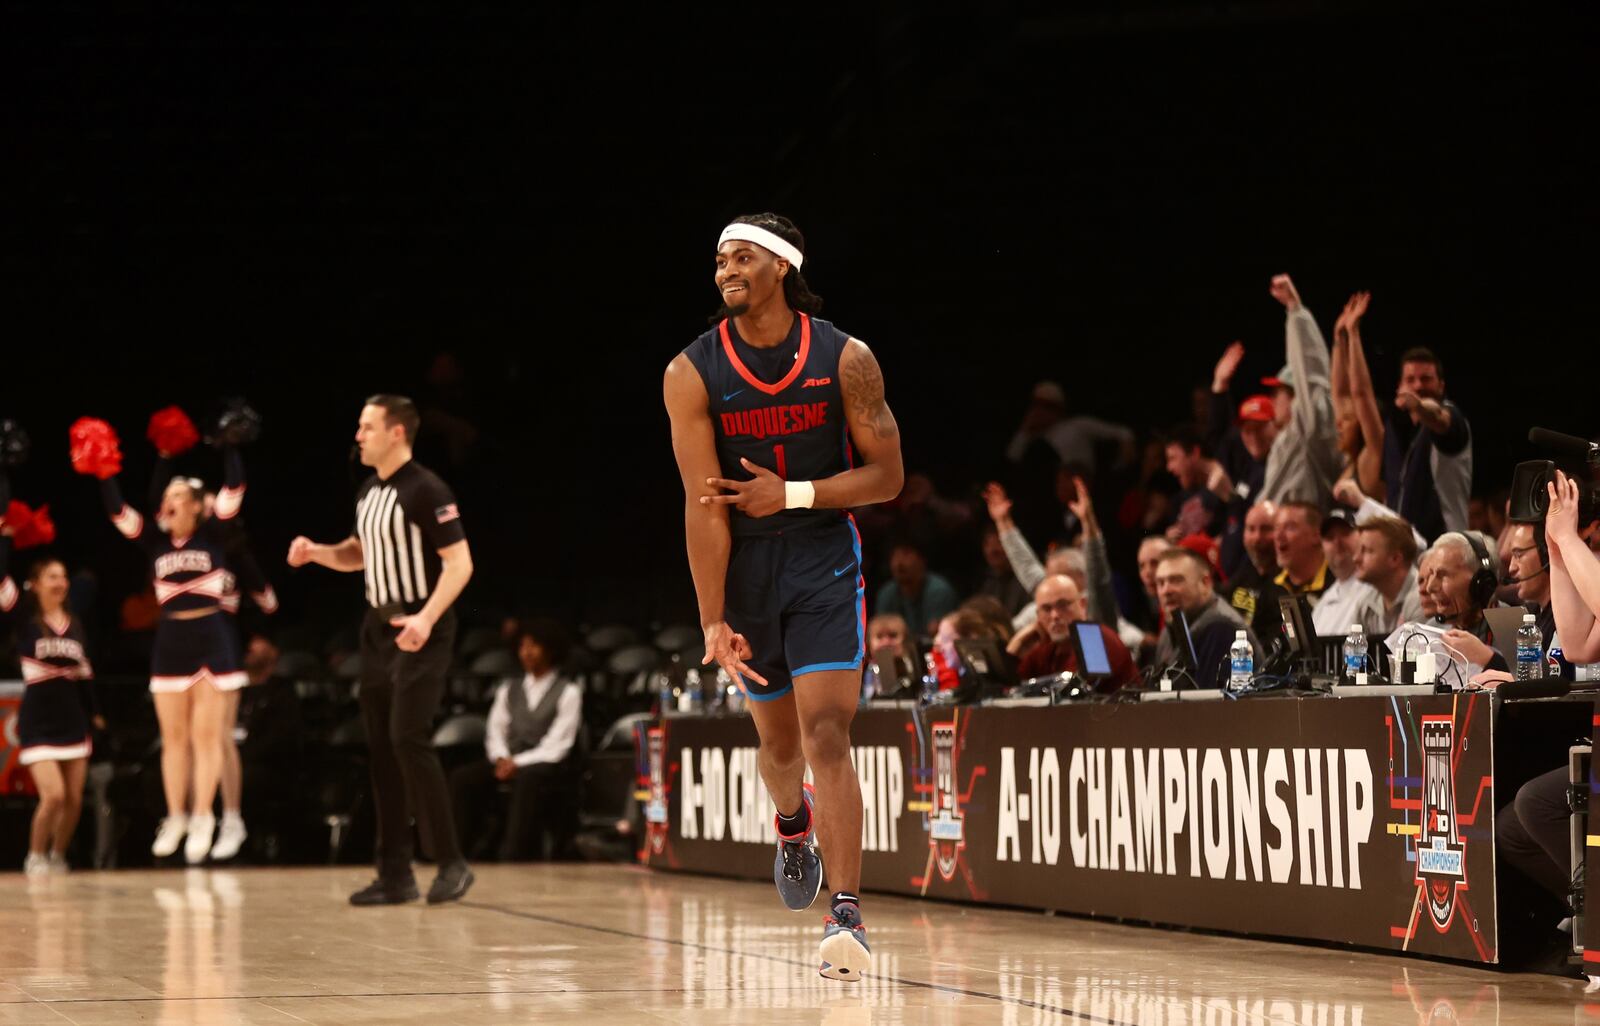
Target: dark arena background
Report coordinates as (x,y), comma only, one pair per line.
(509,212)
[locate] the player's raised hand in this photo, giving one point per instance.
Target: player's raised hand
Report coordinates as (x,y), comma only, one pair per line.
(730,650)
(761,496)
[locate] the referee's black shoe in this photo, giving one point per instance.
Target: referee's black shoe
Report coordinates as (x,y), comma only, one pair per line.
(387,892)
(451,883)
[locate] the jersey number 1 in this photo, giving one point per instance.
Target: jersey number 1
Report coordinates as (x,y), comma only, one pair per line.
(783,464)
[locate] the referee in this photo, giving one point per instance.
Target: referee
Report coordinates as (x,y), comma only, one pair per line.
(411,546)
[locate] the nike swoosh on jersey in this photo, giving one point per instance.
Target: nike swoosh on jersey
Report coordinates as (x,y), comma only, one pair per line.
(846,569)
(730,395)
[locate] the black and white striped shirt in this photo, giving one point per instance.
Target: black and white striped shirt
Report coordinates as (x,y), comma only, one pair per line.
(403,523)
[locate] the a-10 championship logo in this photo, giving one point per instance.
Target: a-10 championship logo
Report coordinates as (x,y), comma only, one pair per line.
(1441,854)
(945,828)
(655,810)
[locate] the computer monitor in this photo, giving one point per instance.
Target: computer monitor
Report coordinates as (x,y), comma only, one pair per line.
(1094,662)
(986,664)
(1183,644)
(1295,612)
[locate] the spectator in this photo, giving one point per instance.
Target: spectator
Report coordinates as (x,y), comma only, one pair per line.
(1245,589)
(915,594)
(1355,403)
(1456,562)
(1427,567)
(1348,600)
(1200,509)
(1386,560)
(961,625)
(529,739)
(1089,567)
(888,639)
(1060,605)
(996,621)
(1240,443)
(1147,610)
(1368,508)
(1240,472)
(1305,458)
(1427,462)
(1074,439)
(1185,583)
(1000,580)
(1297,536)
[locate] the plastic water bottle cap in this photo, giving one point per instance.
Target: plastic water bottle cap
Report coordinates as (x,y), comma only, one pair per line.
(1529,618)
(1355,628)
(1241,636)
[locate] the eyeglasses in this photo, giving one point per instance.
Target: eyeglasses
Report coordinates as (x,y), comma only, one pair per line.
(1518,553)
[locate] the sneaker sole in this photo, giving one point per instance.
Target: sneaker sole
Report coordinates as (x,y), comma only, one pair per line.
(844,958)
(221,854)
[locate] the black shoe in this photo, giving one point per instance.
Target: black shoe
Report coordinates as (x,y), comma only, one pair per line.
(386,892)
(451,883)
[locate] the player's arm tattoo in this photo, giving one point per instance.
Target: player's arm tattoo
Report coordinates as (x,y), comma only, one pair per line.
(862,382)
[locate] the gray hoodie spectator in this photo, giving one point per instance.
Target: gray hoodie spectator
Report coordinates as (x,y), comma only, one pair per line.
(1305,459)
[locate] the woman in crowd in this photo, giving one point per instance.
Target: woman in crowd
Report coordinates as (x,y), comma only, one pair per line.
(1355,404)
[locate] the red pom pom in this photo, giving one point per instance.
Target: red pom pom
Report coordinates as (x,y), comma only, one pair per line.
(172,432)
(30,527)
(94,447)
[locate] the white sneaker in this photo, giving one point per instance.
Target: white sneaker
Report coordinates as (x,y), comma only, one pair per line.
(36,864)
(201,830)
(230,838)
(169,836)
(58,863)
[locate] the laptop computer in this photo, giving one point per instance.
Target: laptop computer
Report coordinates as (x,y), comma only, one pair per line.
(1503,624)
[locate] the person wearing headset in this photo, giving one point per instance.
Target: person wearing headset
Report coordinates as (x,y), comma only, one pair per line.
(1466,575)
(1532,833)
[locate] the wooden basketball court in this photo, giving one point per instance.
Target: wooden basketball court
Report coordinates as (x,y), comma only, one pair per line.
(610,944)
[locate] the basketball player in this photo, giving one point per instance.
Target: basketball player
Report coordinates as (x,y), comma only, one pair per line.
(764,409)
(409,541)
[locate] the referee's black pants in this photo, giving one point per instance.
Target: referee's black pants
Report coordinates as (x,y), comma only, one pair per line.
(400,693)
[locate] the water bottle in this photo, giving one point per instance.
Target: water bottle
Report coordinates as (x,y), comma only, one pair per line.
(1530,645)
(667,702)
(1243,660)
(1355,652)
(930,681)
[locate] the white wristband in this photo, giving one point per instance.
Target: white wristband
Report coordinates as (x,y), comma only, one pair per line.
(798,494)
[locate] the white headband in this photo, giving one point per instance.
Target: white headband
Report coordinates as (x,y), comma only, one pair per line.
(761,237)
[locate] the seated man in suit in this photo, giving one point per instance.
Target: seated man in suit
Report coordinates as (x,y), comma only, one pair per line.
(533,725)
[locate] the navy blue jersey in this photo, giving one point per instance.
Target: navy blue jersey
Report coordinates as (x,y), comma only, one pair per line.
(779,408)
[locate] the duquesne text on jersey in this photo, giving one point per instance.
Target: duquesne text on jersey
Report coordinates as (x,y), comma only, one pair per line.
(771,421)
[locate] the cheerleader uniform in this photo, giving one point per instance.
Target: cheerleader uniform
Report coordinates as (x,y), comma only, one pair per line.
(192,575)
(58,697)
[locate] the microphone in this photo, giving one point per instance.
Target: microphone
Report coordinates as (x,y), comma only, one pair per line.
(1510,578)
(1568,445)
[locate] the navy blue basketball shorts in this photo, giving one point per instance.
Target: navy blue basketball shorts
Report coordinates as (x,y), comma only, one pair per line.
(799,598)
(186,650)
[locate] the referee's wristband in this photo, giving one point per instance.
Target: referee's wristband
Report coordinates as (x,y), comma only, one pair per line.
(799,494)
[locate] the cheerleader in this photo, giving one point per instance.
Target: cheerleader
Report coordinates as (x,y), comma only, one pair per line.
(53,725)
(196,659)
